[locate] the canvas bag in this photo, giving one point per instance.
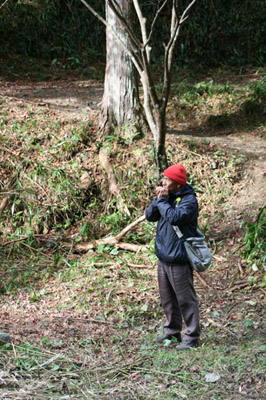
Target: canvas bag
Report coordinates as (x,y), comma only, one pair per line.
(198,253)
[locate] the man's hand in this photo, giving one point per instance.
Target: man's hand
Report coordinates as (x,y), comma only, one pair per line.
(161,192)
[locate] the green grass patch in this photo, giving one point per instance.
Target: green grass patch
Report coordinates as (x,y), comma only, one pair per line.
(128,364)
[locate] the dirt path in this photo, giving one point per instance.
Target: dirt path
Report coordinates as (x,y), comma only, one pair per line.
(251,190)
(76,98)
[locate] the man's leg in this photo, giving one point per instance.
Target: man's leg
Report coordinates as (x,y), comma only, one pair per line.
(181,278)
(173,325)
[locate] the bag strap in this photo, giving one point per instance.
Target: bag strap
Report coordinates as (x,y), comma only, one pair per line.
(177,231)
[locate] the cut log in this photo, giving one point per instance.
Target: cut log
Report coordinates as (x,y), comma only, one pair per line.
(115,240)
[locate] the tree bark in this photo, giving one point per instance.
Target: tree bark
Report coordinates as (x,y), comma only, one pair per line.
(121,109)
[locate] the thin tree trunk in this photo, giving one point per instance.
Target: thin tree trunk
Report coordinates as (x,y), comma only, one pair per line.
(161,158)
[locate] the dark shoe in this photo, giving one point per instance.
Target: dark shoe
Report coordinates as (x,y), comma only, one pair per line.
(169,337)
(187,345)
(4,338)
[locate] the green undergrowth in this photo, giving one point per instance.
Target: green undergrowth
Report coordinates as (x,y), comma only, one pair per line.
(127,363)
(221,106)
(254,249)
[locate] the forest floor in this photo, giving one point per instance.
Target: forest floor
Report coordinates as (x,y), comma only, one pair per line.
(58,352)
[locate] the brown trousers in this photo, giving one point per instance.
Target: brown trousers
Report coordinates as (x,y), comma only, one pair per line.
(178,299)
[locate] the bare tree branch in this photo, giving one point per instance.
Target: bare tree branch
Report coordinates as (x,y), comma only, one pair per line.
(3,4)
(142,22)
(169,49)
(184,16)
(154,21)
(130,227)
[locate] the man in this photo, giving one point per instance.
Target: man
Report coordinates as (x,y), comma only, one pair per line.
(176,204)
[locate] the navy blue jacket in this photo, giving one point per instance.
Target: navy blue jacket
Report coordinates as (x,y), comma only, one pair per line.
(167,211)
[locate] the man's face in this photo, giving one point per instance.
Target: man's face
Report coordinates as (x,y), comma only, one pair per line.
(171,185)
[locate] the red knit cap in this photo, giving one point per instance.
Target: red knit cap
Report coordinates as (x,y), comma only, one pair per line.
(177,173)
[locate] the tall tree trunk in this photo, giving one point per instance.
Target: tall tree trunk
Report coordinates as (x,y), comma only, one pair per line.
(121,108)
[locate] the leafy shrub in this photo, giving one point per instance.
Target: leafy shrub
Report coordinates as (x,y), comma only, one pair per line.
(255,240)
(53,30)
(63,32)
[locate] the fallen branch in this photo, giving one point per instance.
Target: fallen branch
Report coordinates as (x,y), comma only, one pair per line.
(23,238)
(85,320)
(202,280)
(14,241)
(221,326)
(240,270)
(3,4)
(84,247)
(51,360)
(113,187)
(130,227)
(115,240)
(240,286)
(140,266)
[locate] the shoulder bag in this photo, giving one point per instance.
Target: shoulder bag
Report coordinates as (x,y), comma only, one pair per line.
(198,253)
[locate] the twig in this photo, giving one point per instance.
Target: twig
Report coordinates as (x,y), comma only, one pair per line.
(3,4)
(37,184)
(221,326)
(240,286)
(14,241)
(240,270)
(219,258)
(10,151)
(19,240)
(3,204)
(104,264)
(31,248)
(52,359)
(139,266)
(192,152)
(202,280)
(85,320)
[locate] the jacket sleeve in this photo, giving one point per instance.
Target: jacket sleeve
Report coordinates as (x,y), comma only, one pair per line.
(152,213)
(180,215)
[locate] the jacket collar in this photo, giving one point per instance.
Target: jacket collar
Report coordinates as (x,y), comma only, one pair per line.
(187,189)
